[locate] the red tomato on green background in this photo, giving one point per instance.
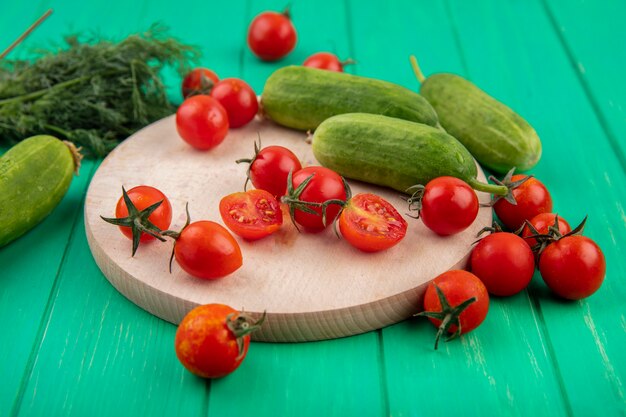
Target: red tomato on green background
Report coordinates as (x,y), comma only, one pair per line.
(213,340)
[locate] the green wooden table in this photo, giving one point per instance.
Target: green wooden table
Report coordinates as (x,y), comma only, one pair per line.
(71,345)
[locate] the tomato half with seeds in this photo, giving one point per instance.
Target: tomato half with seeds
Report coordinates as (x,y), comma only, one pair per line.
(370,223)
(206,250)
(253,214)
(212,340)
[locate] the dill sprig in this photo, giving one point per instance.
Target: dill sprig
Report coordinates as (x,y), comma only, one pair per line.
(91,91)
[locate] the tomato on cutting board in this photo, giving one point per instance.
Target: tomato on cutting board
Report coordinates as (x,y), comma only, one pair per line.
(202,122)
(212,340)
(238,99)
(141,214)
(308,189)
(370,223)
(253,214)
(270,167)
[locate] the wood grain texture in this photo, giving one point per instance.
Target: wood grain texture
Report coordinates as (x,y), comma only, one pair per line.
(312,286)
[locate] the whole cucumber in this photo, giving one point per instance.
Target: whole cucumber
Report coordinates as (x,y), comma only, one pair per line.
(496,136)
(301,98)
(392,152)
(34,175)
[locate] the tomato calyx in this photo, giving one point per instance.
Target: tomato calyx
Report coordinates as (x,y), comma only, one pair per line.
(415,200)
(494,228)
(250,161)
(292,198)
(205,87)
(449,316)
(508,183)
(175,235)
(553,234)
(137,220)
(341,203)
(241,326)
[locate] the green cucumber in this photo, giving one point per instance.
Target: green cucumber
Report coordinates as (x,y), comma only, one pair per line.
(34,175)
(496,136)
(393,153)
(301,98)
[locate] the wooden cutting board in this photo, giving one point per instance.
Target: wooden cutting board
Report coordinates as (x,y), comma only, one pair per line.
(313,286)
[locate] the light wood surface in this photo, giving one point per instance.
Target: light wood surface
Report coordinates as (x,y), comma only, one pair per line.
(313,286)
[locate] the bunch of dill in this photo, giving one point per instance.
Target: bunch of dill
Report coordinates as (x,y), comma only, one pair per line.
(92,92)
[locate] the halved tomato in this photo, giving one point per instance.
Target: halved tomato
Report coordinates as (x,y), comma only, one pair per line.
(252,215)
(370,223)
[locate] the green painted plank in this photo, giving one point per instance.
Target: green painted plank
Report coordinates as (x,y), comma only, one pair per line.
(25,286)
(331,378)
(488,369)
(597,53)
(532,71)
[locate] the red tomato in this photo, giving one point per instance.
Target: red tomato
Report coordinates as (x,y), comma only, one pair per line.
(270,167)
(326,61)
(199,81)
(503,262)
(207,250)
(458,288)
(202,122)
(541,222)
(142,197)
(573,267)
(271,35)
(532,198)
(370,223)
(449,206)
(252,215)
(324,185)
(238,99)
(212,340)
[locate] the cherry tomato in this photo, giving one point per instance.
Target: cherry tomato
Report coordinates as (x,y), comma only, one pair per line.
(458,288)
(449,206)
(199,81)
(207,250)
(142,197)
(541,222)
(212,340)
(270,167)
(238,99)
(503,262)
(202,122)
(326,61)
(324,185)
(532,198)
(370,223)
(271,35)
(573,267)
(252,215)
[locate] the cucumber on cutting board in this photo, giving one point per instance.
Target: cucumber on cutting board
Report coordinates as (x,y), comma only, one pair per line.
(499,138)
(301,98)
(35,174)
(393,153)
